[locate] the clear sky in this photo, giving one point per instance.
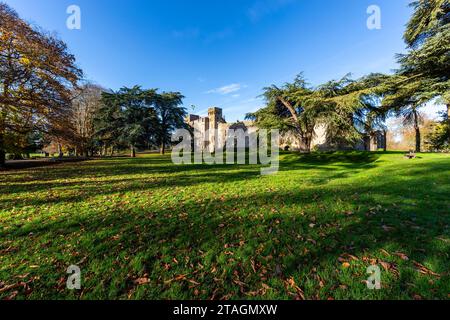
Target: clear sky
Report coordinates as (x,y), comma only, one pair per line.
(223,52)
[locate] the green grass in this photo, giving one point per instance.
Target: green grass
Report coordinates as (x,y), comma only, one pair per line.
(226,232)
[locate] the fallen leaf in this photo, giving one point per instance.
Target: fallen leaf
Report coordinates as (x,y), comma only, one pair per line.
(424,270)
(13,286)
(180,277)
(12,295)
(402,256)
(141,281)
(386,265)
(194,282)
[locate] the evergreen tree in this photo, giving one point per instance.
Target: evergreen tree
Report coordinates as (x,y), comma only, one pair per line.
(126,117)
(169,116)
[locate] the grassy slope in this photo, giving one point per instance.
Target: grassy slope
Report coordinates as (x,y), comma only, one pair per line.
(226,232)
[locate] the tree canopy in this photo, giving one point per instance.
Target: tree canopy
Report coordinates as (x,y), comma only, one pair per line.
(133,116)
(37,74)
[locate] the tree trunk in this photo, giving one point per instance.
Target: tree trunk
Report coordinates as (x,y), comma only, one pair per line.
(2,158)
(2,154)
(3,116)
(162,150)
(448,111)
(308,142)
(385,140)
(418,138)
(133,152)
(61,155)
(2,142)
(417,128)
(292,112)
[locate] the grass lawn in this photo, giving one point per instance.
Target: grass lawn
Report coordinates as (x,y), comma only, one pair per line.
(147,229)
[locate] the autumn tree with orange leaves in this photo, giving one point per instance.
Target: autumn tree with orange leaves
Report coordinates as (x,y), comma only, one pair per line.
(37,76)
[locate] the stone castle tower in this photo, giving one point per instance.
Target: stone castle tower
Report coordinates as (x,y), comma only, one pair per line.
(207,127)
(215,119)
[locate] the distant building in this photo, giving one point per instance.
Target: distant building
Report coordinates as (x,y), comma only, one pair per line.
(373,142)
(213,128)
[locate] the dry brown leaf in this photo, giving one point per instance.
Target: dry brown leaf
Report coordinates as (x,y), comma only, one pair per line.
(253,265)
(13,286)
(12,296)
(194,282)
(424,270)
(141,281)
(386,265)
(180,277)
(402,256)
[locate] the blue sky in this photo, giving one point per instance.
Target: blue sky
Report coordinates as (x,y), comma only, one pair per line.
(223,52)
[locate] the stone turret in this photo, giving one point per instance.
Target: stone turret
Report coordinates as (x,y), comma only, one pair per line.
(215,117)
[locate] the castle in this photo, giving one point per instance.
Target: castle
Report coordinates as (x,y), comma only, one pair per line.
(213,129)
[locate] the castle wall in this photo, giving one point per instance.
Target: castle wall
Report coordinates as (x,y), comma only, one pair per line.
(213,128)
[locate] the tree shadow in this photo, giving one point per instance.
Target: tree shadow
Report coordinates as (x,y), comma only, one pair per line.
(262,239)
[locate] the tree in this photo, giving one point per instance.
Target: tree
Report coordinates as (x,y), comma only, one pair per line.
(412,117)
(404,98)
(424,71)
(37,75)
(428,60)
(438,139)
(428,19)
(169,116)
(344,106)
(85,105)
(403,137)
(107,121)
(126,117)
(286,110)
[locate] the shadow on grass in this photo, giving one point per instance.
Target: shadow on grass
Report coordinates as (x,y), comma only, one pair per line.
(247,242)
(92,179)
